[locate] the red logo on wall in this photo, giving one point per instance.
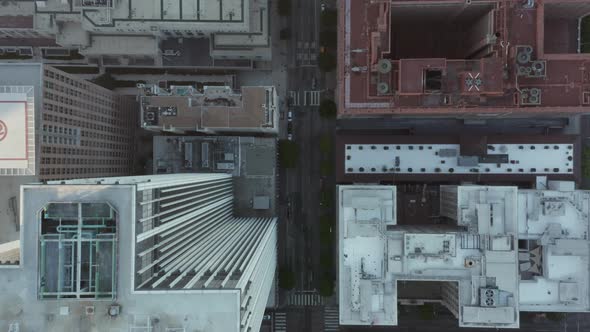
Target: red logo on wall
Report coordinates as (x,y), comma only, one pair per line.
(3,130)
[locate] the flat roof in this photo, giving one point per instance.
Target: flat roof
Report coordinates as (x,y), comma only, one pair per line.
(215,108)
(455,158)
(448,158)
(554,263)
(363,212)
(13,130)
(485,60)
(17,130)
(374,255)
(211,310)
(511,250)
(16,22)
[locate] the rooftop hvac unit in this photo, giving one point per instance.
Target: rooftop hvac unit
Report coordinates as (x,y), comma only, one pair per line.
(530,96)
(384,66)
(383,88)
(524,54)
(114,310)
(205,155)
(488,297)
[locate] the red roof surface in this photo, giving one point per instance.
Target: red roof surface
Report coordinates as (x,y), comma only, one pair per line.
(16,22)
(480,41)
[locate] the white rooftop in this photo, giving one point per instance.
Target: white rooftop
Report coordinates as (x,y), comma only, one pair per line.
(202,310)
(365,296)
(514,250)
(374,257)
(554,260)
(17,130)
(446,159)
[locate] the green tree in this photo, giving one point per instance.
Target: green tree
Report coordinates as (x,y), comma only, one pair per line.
(288,154)
(327,62)
(326,141)
(286,278)
(285,34)
(327,198)
(326,231)
(586,162)
(329,19)
(326,285)
(329,39)
(328,108)
(284,7)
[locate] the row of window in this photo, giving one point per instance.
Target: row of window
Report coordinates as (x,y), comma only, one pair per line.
(80,84)
(102,100)
(66,100)
(47,150)
(86,124)
(60,130)
(48,139)
(100,171)
(82,161)
(49,106)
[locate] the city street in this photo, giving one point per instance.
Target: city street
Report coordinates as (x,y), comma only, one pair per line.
(300,187)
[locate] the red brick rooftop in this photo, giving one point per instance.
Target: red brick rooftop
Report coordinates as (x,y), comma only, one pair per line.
(424,57)
(16,22)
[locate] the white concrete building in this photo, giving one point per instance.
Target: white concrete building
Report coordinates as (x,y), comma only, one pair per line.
(226,29)
(512,250)
(511,158)
(554,249)
(165,248)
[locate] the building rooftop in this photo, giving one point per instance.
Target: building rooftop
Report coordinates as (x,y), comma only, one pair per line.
(212,109)
(482,58)
(375,256)
(234,29)
(374,158)
(510,250)
(17,130)
(89,257)
(211,311)
(250,160)
(20,95)
(554,249)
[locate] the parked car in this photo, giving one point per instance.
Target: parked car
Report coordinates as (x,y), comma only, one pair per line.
(323,6)
(290,116)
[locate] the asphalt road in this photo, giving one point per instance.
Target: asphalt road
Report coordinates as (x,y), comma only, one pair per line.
(301,185)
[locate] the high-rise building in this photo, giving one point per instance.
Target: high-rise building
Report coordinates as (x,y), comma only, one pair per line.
(163,248)
(210,109)
(58,126)
(487,254)
(86,130)
(470,58)
(131,32)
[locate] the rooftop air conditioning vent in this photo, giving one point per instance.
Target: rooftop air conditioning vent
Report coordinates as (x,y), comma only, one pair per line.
(488,297)
(384,66)
(383,88)
(530,96)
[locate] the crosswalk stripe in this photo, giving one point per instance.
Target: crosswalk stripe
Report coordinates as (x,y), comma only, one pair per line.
(331,319)
(280,322)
